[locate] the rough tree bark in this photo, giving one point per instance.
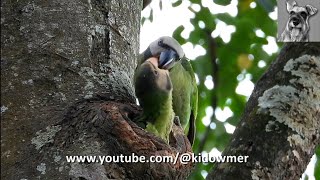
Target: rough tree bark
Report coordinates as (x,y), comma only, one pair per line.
(280,128)
(67,69)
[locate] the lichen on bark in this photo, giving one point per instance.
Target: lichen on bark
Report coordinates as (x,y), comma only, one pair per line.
(297,104)
(279,129)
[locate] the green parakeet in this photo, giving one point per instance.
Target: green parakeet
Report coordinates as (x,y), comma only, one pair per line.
(185,96)
(185,93)
(153,89)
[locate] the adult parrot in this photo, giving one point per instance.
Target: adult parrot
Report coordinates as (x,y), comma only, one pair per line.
(170,57)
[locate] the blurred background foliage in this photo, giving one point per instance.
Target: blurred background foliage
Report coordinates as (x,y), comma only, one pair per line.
(228,69)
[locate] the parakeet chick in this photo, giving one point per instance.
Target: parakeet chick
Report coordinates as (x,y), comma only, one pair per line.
(154,91)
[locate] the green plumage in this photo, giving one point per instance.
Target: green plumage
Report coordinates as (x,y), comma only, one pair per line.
(159,105)
(154,90)
(185,96)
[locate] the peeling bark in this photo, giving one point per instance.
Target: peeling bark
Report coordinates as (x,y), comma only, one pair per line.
(280,128)
(67,70)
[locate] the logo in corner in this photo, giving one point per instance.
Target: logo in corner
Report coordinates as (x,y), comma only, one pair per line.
(298,22)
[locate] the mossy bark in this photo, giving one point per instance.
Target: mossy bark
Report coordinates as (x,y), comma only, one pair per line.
(280,127)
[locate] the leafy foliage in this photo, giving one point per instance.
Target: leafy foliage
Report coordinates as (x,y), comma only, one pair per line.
(232,60)
(228,63)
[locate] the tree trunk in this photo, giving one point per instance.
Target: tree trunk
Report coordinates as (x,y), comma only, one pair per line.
(280,127)
(67,69)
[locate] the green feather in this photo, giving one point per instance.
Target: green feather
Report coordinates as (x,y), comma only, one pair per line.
(154,91)
(185,96)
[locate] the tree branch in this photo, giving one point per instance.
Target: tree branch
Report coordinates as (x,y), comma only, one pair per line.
(214,101)
(280,126)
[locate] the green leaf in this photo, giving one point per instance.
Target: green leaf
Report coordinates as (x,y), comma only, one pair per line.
(225,17)
(222,2)
(177,35)
(143,19)
(151,15)
(177,3)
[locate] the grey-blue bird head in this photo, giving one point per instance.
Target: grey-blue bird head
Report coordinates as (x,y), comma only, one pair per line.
(167,49)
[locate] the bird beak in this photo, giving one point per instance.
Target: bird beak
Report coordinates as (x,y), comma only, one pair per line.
(167,59)
(154,61)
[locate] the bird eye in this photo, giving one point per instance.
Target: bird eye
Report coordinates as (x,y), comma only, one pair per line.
(156,73)
(160,43)
(291,12)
